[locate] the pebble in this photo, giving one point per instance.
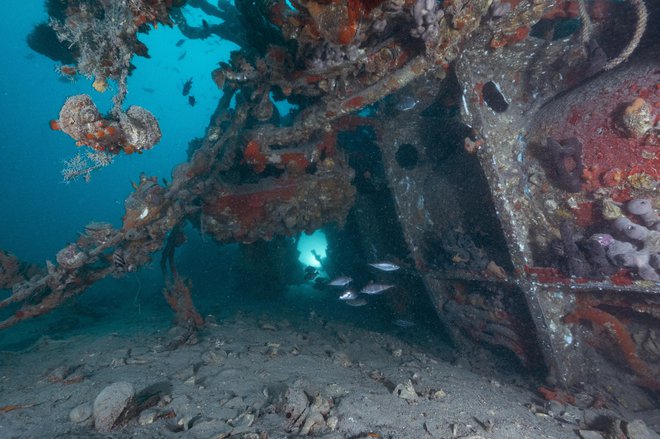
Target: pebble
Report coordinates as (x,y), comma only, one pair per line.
(243,421)
(590,434)
(332,422)
(148,417)
(437,394)
(81,413)
(110,403)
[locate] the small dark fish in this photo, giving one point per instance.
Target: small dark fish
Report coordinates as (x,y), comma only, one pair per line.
(356,302)
(183,55)
(180,42)
(372,289)
(348,295)
(119,262)
(191,100)
(205,24)
(187,86)
(385,266)
(341,281)
(321,281)
(148,89)
(310,273)
(404,323)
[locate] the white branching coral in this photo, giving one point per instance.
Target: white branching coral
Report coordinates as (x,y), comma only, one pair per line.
(83,165)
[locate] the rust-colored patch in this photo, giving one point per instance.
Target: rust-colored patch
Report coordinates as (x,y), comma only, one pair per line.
(253,156)
(622,278)
(248,209)
(556,395)
(606,148)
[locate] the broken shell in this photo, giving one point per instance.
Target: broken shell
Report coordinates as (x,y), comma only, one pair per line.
(406,391)
(144,213)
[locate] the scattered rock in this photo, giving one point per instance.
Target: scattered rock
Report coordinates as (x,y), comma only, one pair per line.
(590,434)
(406,391)
(314,422)
(342,359)
(637,429)
(295,408)
(81,413)
(148,416)
(110,404)
(332,422)
(437,394)
(214,357)
(61,373)
(304,416)
(242,422)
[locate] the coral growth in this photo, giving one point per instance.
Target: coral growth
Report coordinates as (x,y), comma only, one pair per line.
(83,165)
(483,315)
(602,320)
(102,35)
(637,249)
(134,130)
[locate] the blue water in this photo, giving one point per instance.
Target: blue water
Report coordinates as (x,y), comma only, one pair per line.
(39,214)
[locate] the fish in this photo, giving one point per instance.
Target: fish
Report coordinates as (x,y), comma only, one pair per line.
(404,323)
(356,302)
(310,273)
(406,103)
(341,281)
(148,89)
(385,266)
(348,295)
(372,288)
(191,100)
(187,86)
(118,261)
(183,55)
(205,24)
(180,42)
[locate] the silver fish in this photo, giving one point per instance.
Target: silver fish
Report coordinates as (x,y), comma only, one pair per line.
(385,266)
(404,323)
(406,103)
(356,302)
(376,288)
(348,295)
(341,281)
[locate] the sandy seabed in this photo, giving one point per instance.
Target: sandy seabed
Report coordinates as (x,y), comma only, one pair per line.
(258,376)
